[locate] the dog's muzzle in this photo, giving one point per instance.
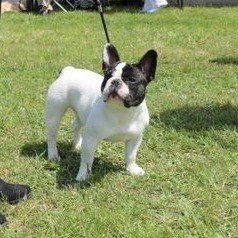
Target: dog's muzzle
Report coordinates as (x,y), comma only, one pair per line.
(116,89)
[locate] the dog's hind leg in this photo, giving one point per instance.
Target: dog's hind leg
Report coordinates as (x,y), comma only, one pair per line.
(54,113)
(77,138)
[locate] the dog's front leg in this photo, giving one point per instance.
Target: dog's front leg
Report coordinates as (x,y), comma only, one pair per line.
(131,148)
(89,145)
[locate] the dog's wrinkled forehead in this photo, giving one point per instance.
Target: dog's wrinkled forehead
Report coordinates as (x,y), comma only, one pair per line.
(124,72)
(118,71)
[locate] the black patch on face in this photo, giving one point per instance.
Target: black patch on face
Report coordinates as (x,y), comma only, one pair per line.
(136,82)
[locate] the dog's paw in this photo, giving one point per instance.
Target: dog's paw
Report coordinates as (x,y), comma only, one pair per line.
(53,155)
(134,169)
(82,175)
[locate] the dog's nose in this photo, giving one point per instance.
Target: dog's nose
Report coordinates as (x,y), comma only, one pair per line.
(115,83)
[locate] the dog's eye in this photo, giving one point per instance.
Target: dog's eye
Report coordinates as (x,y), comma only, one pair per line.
(131,80)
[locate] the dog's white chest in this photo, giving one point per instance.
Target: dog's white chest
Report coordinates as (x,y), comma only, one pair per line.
(112,124)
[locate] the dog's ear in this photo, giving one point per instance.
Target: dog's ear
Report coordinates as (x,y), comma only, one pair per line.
(147,64)
(110,56)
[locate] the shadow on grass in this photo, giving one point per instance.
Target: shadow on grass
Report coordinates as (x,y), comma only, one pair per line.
(67,168)
(225,60)
(34,150)
(198,118)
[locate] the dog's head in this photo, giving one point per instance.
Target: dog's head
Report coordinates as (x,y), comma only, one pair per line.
(125,82)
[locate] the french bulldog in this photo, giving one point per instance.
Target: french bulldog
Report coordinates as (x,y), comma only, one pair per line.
(110,107)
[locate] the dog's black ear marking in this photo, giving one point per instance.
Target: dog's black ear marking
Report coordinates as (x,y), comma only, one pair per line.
(148,64)
(110,56)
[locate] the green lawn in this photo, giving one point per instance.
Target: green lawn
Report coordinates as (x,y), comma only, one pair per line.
(189,151)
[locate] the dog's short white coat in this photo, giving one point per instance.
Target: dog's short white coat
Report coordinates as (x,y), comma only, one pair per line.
(79,89)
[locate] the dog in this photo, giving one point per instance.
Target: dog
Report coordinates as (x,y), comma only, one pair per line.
(110,107)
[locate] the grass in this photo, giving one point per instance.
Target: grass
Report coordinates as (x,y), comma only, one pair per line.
(189,150)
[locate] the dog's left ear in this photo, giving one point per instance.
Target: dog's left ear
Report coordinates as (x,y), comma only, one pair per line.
(110,56)
(148,64)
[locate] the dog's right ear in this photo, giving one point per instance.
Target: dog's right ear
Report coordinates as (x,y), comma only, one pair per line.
(110,56)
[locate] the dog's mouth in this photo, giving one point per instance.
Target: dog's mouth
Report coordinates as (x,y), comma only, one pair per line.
(113,95)
(123,100)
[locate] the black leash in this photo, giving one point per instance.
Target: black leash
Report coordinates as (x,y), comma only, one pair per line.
(100,10)
(0,8)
